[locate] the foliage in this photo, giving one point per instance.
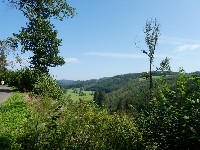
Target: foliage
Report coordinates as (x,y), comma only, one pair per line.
(3,60)
(152,32)
(45,8)
(6,46)
(99,98)
(90,128)
(164,65)
(171,121)
(40,132)
(39,36)
(107,85)
(13,115)
(128,92)
(46,86)
(131,97)
(30,80)
(23,79)
(78,125)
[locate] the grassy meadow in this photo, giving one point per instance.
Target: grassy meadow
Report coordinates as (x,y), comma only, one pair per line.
(77,94)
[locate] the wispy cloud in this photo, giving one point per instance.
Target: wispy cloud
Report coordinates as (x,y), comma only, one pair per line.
(182,45)
(71,60)
(188,47)
(125,55)
(176,40)
(117,55)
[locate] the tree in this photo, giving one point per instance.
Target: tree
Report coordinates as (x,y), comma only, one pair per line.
(39,36)
(5,47)
(3,61)
(164,65)
(43,8)
(152,32)
(99,98)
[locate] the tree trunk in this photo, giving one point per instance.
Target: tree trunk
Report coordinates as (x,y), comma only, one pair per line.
(150,79)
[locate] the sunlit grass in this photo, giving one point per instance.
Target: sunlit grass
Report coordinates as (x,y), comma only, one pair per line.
(13,115)
(87,95)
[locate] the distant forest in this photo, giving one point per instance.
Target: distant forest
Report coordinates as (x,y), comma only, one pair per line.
(109,84)
(123,92)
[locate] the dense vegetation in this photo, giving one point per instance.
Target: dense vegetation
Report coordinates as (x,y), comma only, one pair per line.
(170,120)
(125,113)
(107,84)
(104,84)
(12,118)
(121,92)
(44,122)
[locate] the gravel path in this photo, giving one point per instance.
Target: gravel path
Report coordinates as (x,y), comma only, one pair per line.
(5,92)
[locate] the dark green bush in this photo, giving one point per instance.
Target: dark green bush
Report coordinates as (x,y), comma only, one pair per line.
(23,79)
(34,81)
(5,143)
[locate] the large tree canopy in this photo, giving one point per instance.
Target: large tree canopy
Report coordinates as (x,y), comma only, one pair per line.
(43,8)
(39,36)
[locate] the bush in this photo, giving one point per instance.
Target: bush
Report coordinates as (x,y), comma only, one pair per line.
(9,77)
(87,127)
(34,81)
(46,86)
(79,125)
(23,79)
(172,118)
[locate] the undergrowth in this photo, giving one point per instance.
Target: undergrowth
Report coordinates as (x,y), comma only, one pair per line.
(13,116)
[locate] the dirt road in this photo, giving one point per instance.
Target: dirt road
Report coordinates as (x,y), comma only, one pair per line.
(5,92)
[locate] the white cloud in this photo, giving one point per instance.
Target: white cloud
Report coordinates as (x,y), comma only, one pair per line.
(188,47)
(176,40)
(181,44)
(127,55)
(71,60)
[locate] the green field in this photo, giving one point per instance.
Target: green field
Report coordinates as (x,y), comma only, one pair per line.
(77,94)
(154,77)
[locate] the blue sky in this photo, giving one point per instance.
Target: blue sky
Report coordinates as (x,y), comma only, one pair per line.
(99,40)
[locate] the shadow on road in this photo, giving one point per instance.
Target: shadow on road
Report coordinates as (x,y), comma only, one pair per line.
(6,90)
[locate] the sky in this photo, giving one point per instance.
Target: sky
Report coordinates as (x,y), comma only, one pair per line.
(99,40)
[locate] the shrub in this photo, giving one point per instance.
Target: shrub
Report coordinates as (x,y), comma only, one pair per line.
(9,77)
(172,118)
(79,125)
(46,86)
(34,81)
(87,127)
(23,79)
